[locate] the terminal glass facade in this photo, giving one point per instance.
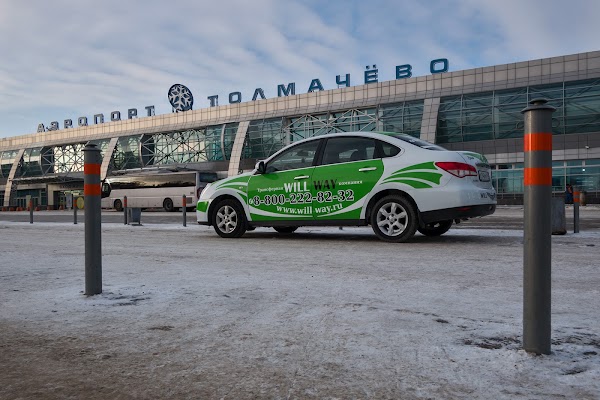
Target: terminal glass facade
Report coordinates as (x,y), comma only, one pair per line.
(497,114)
(31,164)
(126,154)
(189,146)
(42,161)
(508,178)
(264,137)
(7,158)
(212,143)
(403,117)
(267,136)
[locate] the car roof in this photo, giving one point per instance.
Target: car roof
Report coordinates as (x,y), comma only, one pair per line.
(374,135)
(395,138)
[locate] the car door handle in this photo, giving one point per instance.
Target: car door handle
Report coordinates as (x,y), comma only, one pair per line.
(301,177)
(367,169)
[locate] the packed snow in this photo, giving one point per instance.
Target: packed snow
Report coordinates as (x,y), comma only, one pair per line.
(324,313)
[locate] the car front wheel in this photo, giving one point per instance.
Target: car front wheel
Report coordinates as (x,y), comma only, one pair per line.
(394,219)
(435,228)
(229,220)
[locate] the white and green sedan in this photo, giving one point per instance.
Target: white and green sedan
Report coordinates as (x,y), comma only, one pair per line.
(396,183)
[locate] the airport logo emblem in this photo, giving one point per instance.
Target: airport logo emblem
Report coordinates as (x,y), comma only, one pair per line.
(180,98)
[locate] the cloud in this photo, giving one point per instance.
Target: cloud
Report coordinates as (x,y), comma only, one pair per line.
(66,59)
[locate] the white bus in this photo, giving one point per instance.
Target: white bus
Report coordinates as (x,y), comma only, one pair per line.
(155,189)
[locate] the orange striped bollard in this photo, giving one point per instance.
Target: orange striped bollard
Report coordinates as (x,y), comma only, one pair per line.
(576,202)
(93,214)
(537,253)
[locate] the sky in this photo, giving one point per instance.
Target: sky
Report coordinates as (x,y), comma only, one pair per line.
(65,59)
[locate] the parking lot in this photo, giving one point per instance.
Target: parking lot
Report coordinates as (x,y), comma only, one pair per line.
(324,313)
(505,217)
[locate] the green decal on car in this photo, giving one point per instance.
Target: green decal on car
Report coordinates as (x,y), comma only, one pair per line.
(238,185)
(240,180)
(418,176)
(281,195)
(349,185)
(202,206)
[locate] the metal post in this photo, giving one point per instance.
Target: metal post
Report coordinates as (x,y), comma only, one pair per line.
(125,210)
(559,220)
(74,210)
(93,214)
(31,211)
(184,208)
(576,201)
(537,263)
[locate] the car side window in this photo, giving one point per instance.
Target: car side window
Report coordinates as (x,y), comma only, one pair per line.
(348,149)
(300,156)
(387,150)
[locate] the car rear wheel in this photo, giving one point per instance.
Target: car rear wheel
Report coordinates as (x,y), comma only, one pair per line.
(118,205)
(285,229)
(229,220)
(394,219)
(435,228)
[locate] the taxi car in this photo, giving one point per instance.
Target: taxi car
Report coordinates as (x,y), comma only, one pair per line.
(396,183)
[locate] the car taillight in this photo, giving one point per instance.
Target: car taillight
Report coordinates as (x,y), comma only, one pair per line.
(457,168)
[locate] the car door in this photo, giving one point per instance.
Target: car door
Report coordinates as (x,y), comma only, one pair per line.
(284,191)
(347,173)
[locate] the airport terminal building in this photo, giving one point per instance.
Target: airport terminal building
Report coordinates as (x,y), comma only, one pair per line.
(477,110)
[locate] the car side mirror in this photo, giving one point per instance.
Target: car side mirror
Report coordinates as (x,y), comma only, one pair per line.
(260,167)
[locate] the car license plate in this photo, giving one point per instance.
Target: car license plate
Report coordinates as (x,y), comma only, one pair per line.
(484,176)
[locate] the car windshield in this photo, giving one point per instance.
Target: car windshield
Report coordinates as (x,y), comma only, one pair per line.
(418,142)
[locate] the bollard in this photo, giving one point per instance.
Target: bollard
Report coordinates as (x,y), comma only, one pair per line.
(125,210)
(559,220)
(537,252)
(31,211)
(576,199)
(93,214)
(184,208)
(537,232)
(74,210)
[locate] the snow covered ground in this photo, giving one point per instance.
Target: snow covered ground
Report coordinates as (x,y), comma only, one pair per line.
(325,313)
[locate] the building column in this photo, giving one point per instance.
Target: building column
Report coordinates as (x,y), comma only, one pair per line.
(238,145)
(429,121)
(11,175)
(110,149)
